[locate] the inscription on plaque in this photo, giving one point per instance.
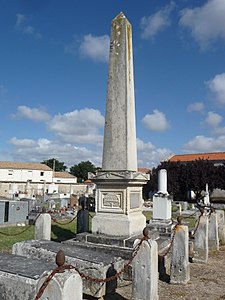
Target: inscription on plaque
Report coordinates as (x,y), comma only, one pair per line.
(134,200)
(111,200)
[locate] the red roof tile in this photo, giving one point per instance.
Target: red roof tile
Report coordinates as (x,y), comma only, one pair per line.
(23,166)
(215,156)
(63,175)
(144,170)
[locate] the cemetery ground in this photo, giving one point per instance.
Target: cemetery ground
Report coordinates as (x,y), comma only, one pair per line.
(207,280)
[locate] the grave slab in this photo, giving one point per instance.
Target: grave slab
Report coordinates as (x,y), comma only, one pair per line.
(19,276)
(88,260)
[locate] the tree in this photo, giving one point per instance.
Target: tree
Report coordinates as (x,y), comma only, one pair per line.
(82,169)
(54,164)
(184,177)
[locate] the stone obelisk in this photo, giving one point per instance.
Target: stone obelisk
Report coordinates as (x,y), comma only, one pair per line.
(119,185)
(120,150)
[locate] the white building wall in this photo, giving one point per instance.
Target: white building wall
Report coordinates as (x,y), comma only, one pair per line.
(14,175)
(64,180)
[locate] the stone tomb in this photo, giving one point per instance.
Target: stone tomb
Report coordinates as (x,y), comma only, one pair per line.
(91,261)
(19,276)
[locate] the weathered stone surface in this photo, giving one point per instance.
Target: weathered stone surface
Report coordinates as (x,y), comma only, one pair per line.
(180,268)
(221,226)
(119,185)
(100,239)
(119,224)
(213,232)
(145,271)
(43,227)
(120,150)
(201,241)
(19,276)
(91,262)
(63,286)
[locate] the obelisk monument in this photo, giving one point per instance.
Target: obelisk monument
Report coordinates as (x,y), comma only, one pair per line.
(119,185)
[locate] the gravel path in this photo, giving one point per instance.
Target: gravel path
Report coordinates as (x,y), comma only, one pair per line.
(207,282)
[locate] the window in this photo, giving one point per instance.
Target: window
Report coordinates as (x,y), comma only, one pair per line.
(42,173)
(10,172)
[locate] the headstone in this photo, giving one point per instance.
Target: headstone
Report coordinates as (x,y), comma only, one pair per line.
(145,271)
(192,206)
(83,220)
(180,268)
(162,207)
(213,232)
(221,226)
(161,200)
(184,205)
(119,184)
(206,199)
(201,250)
(43,227)
(162,182)
(63,286)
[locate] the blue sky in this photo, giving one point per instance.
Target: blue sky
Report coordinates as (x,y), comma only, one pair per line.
(53,77)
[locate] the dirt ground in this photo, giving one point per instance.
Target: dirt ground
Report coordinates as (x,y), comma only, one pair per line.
(207,282)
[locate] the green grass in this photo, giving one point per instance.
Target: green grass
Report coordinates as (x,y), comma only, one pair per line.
(7,241)
(61,231)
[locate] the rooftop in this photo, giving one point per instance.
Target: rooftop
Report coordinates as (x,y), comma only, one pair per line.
(144,170)
(63,175)
(214,156)
(23,166)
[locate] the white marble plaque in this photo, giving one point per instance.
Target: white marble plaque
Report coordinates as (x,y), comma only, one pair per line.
(111,200)
(134,200)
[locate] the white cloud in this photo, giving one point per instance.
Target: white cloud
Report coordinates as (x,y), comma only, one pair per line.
(202,143)
(34,114)
(142,146)
(155,23)
(218,131)
(217,87)
(22,142)
(206,22)
(20,19)
(156,121)
(42,149)
(79,126)
(23,26)
(94,47)
(196,107)
(149,156)
(213,119)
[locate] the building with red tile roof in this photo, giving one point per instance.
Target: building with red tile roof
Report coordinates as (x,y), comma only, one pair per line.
(144,170)
(215,157)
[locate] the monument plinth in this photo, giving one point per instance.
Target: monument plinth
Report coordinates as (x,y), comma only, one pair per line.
(119,185)
(162,206)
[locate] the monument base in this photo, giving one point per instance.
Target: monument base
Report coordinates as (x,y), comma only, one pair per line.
(119,224)
(164,227)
